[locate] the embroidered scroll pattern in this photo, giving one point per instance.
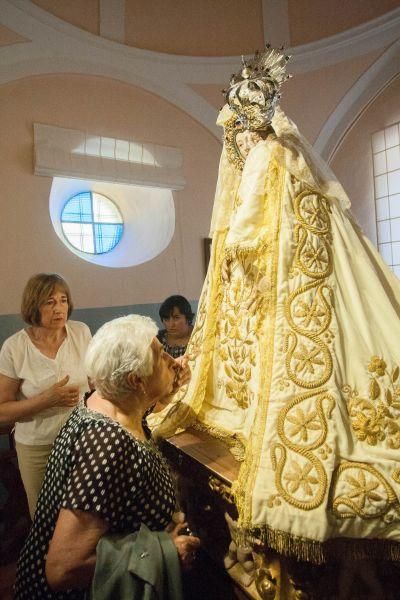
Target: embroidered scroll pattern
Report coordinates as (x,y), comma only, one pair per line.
(375,416)
(361,491)
(300,476)
(302,431)
(308,309)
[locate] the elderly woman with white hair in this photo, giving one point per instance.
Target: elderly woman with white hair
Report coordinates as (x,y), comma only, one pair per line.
(105,474)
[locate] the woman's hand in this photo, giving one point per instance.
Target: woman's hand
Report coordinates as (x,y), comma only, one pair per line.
(183,373)
(186,545)
(12,410)
(61,394)
(182,377)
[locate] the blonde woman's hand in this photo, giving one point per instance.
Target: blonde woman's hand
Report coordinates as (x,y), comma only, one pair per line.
(186,545)
(61,394)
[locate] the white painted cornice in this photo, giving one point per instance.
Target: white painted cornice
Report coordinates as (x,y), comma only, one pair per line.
(58,47)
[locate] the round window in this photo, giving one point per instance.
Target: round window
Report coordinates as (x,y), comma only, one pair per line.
(92,223)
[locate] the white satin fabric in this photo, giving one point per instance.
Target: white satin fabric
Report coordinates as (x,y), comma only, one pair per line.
(295,358)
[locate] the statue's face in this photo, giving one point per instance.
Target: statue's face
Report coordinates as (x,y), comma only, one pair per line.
(246,140)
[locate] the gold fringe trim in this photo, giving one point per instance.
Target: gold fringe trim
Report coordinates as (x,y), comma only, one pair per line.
(235,442)
(308,550)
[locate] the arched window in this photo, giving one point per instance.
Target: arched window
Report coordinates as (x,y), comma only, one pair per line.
(132,228)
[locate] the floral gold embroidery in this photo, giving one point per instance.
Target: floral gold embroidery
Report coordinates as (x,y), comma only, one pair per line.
(245,299)
(308,363)
(237,329)
(313,255)
(301,477)
(303,422)
(308,313)
(375,417)
(265,346)
(361,491)
(302,484)
(377,365)
(312,210)
(308,309)
(307,359)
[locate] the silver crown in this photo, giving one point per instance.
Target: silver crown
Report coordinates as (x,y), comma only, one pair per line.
(254,91)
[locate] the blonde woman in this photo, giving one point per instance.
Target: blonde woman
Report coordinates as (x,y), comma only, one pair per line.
(42,375)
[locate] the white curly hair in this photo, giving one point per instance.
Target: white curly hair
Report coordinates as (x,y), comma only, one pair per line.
(120,347)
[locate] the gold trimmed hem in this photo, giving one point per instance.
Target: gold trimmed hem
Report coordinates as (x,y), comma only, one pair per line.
(308,550)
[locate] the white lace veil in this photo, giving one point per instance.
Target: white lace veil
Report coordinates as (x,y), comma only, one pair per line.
(288,133)
(300,159)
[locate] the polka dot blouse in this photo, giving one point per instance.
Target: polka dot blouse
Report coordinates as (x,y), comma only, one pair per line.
(95,466)
(174,351)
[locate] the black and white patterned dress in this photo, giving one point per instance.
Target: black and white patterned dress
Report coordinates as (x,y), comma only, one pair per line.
(174,351)
(98,467)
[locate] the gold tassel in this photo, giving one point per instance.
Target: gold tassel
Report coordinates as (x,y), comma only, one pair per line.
(307,550)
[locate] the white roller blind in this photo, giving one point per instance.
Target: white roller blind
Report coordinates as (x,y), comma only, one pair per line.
(61,152)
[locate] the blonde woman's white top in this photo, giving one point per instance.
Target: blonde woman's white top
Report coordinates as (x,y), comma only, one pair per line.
(20,359)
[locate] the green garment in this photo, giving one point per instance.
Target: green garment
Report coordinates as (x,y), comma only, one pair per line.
(139,566)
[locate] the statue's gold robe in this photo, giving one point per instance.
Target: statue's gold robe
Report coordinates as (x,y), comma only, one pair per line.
(295,360)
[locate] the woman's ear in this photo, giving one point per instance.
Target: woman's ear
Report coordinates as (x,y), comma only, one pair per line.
(134,381)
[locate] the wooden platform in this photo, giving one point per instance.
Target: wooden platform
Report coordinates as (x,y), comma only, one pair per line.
(207,452)
(205,470)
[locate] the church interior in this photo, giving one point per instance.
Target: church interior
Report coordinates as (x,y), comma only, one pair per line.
(117,100)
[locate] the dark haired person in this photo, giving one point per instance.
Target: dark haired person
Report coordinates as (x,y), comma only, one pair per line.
(177,317)
(42,375)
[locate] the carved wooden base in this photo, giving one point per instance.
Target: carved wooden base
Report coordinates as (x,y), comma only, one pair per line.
(204,470)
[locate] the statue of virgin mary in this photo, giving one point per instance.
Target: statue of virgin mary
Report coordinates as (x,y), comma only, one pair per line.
(295,354)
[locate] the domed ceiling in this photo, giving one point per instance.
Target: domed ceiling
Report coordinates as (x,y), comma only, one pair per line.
(185,50)
(216,28)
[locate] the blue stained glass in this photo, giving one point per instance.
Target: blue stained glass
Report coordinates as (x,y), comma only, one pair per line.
(78,209)
(83,231)
(107,236)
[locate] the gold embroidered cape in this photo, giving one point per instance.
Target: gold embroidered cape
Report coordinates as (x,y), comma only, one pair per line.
(295,362)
